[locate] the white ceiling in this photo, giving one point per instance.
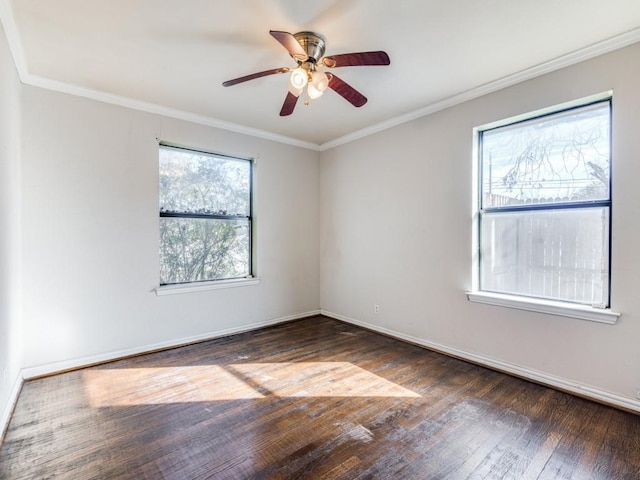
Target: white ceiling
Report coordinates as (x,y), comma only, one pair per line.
(171,56)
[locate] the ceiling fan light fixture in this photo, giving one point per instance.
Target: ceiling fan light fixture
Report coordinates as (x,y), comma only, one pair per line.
(319,80)
(307,49)
(298,78)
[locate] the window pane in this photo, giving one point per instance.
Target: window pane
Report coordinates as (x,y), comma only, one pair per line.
(203,249)
(197,182)
(556,254)
(558,158)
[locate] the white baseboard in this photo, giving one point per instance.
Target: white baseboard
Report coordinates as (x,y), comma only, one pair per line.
(8,409)
(560,383)
(65,365)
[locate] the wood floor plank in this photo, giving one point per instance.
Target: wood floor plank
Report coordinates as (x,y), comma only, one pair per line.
(315,398)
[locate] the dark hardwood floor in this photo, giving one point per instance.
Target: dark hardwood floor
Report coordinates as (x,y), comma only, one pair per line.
(315,398)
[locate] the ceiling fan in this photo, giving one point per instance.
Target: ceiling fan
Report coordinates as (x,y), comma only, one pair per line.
(307,49)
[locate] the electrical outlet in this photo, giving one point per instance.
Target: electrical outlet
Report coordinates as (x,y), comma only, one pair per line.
(376,308)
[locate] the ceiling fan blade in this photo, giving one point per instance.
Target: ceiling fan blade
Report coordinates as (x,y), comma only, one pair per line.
(357,59)
(253,76)
(289,42)
(346,91)
(288,105)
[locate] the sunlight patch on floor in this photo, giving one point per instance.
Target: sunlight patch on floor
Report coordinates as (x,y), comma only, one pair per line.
(149,386)
(242,381)
(320,379)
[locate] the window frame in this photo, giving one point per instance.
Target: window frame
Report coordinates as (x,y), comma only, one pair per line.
(600,313)
(208,284)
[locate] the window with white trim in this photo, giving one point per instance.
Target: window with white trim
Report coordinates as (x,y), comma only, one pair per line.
(205,216)
(545,206)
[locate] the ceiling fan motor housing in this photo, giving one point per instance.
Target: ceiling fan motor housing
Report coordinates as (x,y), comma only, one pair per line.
(313,44)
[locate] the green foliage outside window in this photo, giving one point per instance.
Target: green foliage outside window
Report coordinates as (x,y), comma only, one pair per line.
(205,216)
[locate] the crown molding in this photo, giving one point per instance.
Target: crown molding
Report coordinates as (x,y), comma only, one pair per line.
(13,38)
(592,51)
(46,83)
(15,45)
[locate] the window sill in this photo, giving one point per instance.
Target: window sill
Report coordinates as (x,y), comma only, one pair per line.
(582,312)
(202,286)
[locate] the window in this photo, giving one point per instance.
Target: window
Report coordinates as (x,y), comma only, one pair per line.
(545,206)
(205,216)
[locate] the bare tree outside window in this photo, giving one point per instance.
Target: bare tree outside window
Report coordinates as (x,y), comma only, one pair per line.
(205,216)
(545,206)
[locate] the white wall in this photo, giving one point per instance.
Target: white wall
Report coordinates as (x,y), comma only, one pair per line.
(10,322)
(90,232)
(396,227)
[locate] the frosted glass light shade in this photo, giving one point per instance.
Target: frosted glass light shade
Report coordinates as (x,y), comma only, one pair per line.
(295,91)
(298,78)
(320,80)
(313,91)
